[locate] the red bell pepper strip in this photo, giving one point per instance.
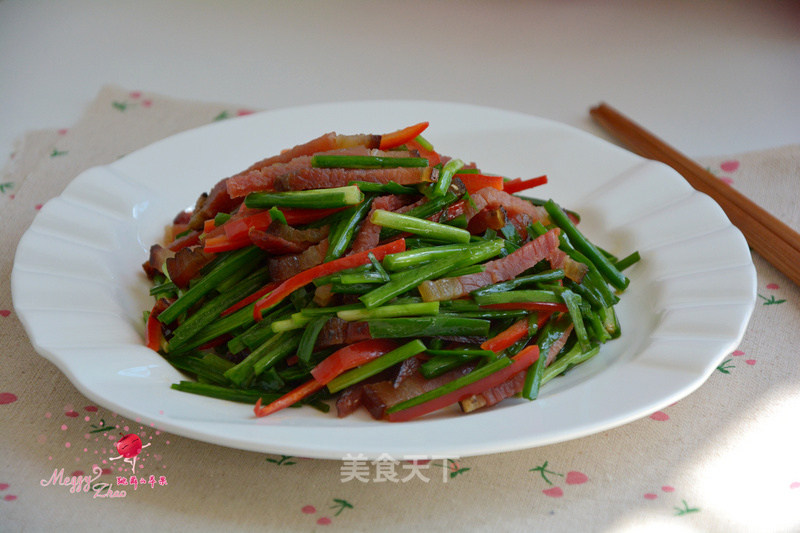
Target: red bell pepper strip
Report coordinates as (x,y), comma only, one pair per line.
(518,184)
(400,137)
(551,307)
(288,399)
(432,157)
(237,228)
(236,232)
(221,243)
(294,216)
(250,299)
(520,362)
(476,182)
(338,362)
(304,278)
(153,330)
(350,357)
(515,332)
(213,343)
(507,337)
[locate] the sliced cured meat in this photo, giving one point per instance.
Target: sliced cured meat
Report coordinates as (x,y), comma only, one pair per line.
(369,235)
(336,331)
(407,369)
(154,264)
(379,396)
(284,267)
(325,178)
(186,264)
(513,205)
(275,244)
(261,176)
(573,270)
(496,394)
(514,385)
(502,269)
(349,400)
(209,204)
(319,144)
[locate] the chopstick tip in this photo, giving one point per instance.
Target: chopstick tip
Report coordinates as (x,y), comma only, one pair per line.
(598,108)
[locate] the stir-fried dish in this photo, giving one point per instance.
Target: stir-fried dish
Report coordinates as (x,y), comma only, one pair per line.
(371,271)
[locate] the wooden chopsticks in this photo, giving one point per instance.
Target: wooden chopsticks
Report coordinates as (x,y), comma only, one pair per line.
(772,239)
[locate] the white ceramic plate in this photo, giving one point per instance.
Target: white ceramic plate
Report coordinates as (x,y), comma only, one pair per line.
(80,292)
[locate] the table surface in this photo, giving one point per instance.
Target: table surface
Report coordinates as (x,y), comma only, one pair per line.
(712,77)
(715,79)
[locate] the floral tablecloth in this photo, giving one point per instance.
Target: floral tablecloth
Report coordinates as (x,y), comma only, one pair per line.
(723,459)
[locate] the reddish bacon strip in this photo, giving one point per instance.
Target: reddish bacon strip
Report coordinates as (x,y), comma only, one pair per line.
(186,264)
(154,264)
(370,235)
(336,332)
(520,362)
(379,396)
(248,180)
(502,269)
(512,386)
(520,212)
(269,177)
(284,267)
(325,178)
(319,144)
(212,203)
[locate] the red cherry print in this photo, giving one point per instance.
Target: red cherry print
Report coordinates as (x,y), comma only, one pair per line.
(554,492)
(729,166)
(576,478)
(129,446)
(7,397)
